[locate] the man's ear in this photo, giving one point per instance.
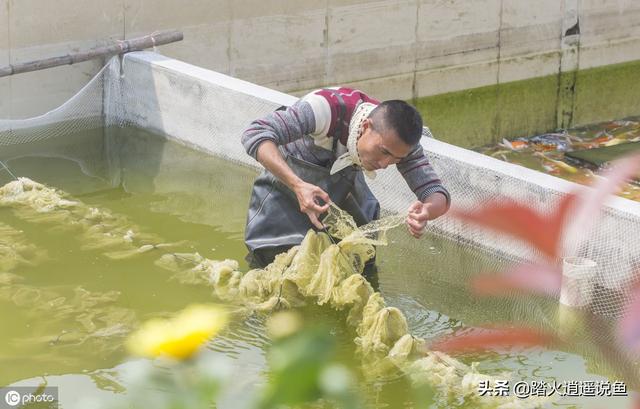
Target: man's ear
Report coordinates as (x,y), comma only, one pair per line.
(367,124)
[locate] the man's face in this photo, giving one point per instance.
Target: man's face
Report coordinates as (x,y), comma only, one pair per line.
(378,150)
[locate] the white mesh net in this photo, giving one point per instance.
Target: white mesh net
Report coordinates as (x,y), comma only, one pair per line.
(82,112)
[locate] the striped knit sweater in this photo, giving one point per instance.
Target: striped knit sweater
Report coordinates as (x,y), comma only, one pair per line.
(307,130)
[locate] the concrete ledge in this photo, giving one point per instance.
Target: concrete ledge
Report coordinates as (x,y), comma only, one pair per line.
(208,111)
(192,105)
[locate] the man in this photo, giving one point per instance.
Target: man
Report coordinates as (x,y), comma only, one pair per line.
(316,152)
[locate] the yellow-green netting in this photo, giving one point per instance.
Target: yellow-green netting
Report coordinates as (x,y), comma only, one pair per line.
(87,316)
(96,318)
(316,271)
(99,228)
(325,273)
(15,250)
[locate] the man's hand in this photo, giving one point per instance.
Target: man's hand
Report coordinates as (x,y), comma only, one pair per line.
(307,195)
(417,218)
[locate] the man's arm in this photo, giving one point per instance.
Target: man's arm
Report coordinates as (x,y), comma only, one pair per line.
(422,179)
(279,127)
(438,205)
(269,156)
(261,140)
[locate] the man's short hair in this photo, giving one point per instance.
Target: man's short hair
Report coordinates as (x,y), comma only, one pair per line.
(398,116)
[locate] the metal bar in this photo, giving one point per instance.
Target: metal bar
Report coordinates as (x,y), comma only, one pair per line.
(120,47)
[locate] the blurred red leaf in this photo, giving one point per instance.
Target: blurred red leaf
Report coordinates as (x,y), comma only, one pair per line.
(545,232)
(528,278)
(482,339)
(591,201)
(519,220)
(612,180)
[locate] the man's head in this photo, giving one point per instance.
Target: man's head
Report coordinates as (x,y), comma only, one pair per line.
(389,134)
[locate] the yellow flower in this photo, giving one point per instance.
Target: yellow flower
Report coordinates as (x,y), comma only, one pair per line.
(181,336)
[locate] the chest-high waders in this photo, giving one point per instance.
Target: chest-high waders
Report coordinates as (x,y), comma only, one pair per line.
(275,222)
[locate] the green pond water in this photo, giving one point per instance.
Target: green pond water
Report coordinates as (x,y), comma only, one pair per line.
(66,316)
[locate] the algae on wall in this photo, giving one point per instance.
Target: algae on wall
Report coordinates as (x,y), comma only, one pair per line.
(485,115)
(607,93)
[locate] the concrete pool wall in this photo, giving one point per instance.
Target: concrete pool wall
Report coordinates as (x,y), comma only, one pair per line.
(408,49)
(208,111)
